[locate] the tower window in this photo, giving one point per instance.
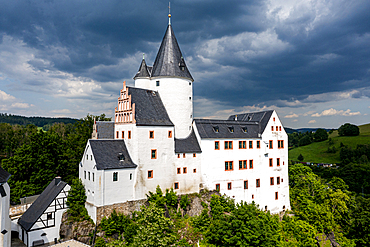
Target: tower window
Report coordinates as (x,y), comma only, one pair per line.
(229,186)
(258,183)
(176,185)
(169,134)
(178,170)
(157,83)
(258,144)
(189,83)
(245,184)
(115,176)
(189,98)
(154,153)
(184,170)
(151,134)
(271,181)
(150,174)
(130,176)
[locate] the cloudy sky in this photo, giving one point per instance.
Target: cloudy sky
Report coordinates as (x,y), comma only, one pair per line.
(307,59)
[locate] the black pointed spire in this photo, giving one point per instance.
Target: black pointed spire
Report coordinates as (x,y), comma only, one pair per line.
(169,61)
(143,70)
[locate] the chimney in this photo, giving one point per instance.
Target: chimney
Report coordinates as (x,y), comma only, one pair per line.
(58,180)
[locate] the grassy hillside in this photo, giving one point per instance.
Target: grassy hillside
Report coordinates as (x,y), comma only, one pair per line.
(317,152)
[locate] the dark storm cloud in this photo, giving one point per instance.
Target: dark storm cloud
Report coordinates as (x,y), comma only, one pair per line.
(239,52)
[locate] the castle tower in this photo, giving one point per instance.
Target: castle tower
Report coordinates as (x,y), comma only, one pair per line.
(171,78)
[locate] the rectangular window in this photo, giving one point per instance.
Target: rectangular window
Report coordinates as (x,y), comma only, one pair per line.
(129,134)
(115,176)
(151,134)
(272,128)
(245,184)
(169,134)
(218,187)
(85,174)
(194,155)
(250,164)
(157,83)
(183,155)
(277,180)
(228,144)
(184,170)
(242,144)
(273,119)
(49,216)
(123,135)
(89,175)
(250,144)
(258,183)
(229,186)
(242,164)
(276,195)
(178,155)
(154,153)
(271,180)
(117,133)
(130,176)
(194,170)
(270,144)
(270,162)
(217,145)
(280,143)
(176,186)
(279,128)
(258,144)
(178,170)
(277,161)
(93,177)
(228,165)
(150,174)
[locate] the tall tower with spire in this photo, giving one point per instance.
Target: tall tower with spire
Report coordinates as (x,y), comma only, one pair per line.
(170,77)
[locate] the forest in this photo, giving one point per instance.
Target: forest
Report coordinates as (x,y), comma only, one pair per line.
(325,201)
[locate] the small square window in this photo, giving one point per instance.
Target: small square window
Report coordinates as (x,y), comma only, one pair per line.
(169,134)
(217,145)
(194,170)
(258,183)
(245,184)
(184,170)
(150,174)
(176,186)
(271,181)
(115,176)
(281,180)
(154,153)
(194,155)
(178,170)
(157,83)
(49,216)
(151,134)
(189,98)
(218,187)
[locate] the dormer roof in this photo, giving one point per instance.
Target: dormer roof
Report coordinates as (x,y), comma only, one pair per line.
(169,61)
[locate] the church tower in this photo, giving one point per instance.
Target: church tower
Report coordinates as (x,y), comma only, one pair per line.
(171,78)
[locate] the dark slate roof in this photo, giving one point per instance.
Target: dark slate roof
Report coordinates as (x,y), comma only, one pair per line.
(4,175)
(169,58)
(38,207)
(149,109)
(206,129)
(105,129)
(187,145)
(261,117)
(143,71)
(107,152)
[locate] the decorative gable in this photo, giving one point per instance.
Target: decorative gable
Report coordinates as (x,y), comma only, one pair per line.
(125,112)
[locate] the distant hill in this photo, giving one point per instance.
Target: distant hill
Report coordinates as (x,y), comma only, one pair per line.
(38,121)
(317,152)
(302,130)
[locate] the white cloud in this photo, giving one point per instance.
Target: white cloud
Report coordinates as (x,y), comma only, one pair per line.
(9,103)
(291,116)
(308,113)
(312,121)
(6,97)
(332,112)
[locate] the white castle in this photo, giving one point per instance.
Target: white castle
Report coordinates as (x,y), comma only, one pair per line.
(154,140)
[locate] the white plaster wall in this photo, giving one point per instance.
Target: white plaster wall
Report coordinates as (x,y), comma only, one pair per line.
(177,97)
(91,210)
(213,169)
(189,182)
(5,220)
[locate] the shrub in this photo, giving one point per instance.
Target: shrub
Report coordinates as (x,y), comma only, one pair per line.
(348,129)
(76,201)
(300,157)
(184,202)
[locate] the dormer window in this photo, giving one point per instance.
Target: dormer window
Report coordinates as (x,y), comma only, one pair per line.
(121,157)
(231,129)
(244,129)
(216,129)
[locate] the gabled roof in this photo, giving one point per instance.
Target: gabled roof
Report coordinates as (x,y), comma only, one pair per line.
(38,207)
(187,145)
(105,129)
(143,71)
(261,118)
(169,61)
(228,129)
(149,109)
(4,175)
(107,154)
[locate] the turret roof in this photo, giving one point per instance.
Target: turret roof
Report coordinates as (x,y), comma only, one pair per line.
(143,71)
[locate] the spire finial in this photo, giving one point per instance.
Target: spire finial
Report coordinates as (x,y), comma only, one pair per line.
(143,56)
(169,13)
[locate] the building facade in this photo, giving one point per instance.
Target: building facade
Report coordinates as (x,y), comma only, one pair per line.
(154,140)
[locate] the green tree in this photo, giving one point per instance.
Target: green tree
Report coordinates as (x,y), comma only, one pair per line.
(300,157)
(76,200)
(320,135)
(348,129)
